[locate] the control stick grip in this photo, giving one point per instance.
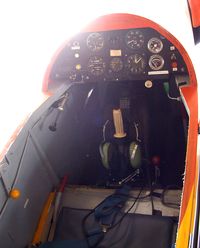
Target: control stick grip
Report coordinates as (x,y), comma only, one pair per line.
(118,122)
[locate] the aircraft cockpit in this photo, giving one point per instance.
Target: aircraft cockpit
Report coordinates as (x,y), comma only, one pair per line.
(118,131)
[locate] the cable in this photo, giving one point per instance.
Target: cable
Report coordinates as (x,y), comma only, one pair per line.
(104,130)
(135,197)
(174,98)
(137,131)
(152,204)
(124,215)
(147,163)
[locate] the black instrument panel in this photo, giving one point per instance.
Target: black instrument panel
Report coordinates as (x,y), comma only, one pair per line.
(117,55)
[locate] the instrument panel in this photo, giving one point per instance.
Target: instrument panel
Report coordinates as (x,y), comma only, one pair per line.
(117,55)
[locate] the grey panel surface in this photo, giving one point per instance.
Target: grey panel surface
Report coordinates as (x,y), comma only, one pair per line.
(19,218)
(48,167)
(9,166)
(3,195)
(15,151)
(64,147)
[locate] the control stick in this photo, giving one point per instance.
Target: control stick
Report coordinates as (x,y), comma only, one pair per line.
(118,122)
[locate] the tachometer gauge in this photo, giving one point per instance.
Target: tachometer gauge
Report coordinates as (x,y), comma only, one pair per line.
(156,62)
(96,65)
(136,63)
(155,45)
(134,39)
(116,64)
(95,42)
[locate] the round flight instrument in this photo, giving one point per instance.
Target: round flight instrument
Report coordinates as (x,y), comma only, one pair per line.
(95,42)
(96,65)
(134,39)
(156,62)
(155,45)
(72,76)
(136,63)
(116,64)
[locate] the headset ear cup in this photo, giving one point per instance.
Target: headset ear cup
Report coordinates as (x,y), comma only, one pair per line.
(106,152)
(135,155)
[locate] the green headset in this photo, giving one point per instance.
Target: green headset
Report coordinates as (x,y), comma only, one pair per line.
(107,149)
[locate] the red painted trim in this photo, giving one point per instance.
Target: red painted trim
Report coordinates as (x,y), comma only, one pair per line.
(63,184)
(195,12)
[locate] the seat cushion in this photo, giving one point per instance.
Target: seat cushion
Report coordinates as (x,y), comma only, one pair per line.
(134,231)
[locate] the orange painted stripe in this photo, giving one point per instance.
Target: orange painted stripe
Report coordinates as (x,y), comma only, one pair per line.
(187,225)
(190,95)
(183,234)
(43,219)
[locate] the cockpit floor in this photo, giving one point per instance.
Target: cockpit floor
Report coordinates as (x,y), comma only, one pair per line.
(139,228)
(84,197)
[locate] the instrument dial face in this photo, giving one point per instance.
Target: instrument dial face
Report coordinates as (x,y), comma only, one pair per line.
(136,63)
(72,76)
(116,64)
(156,62)
(96,65)
(134,39)
(95,42)
(155,45)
